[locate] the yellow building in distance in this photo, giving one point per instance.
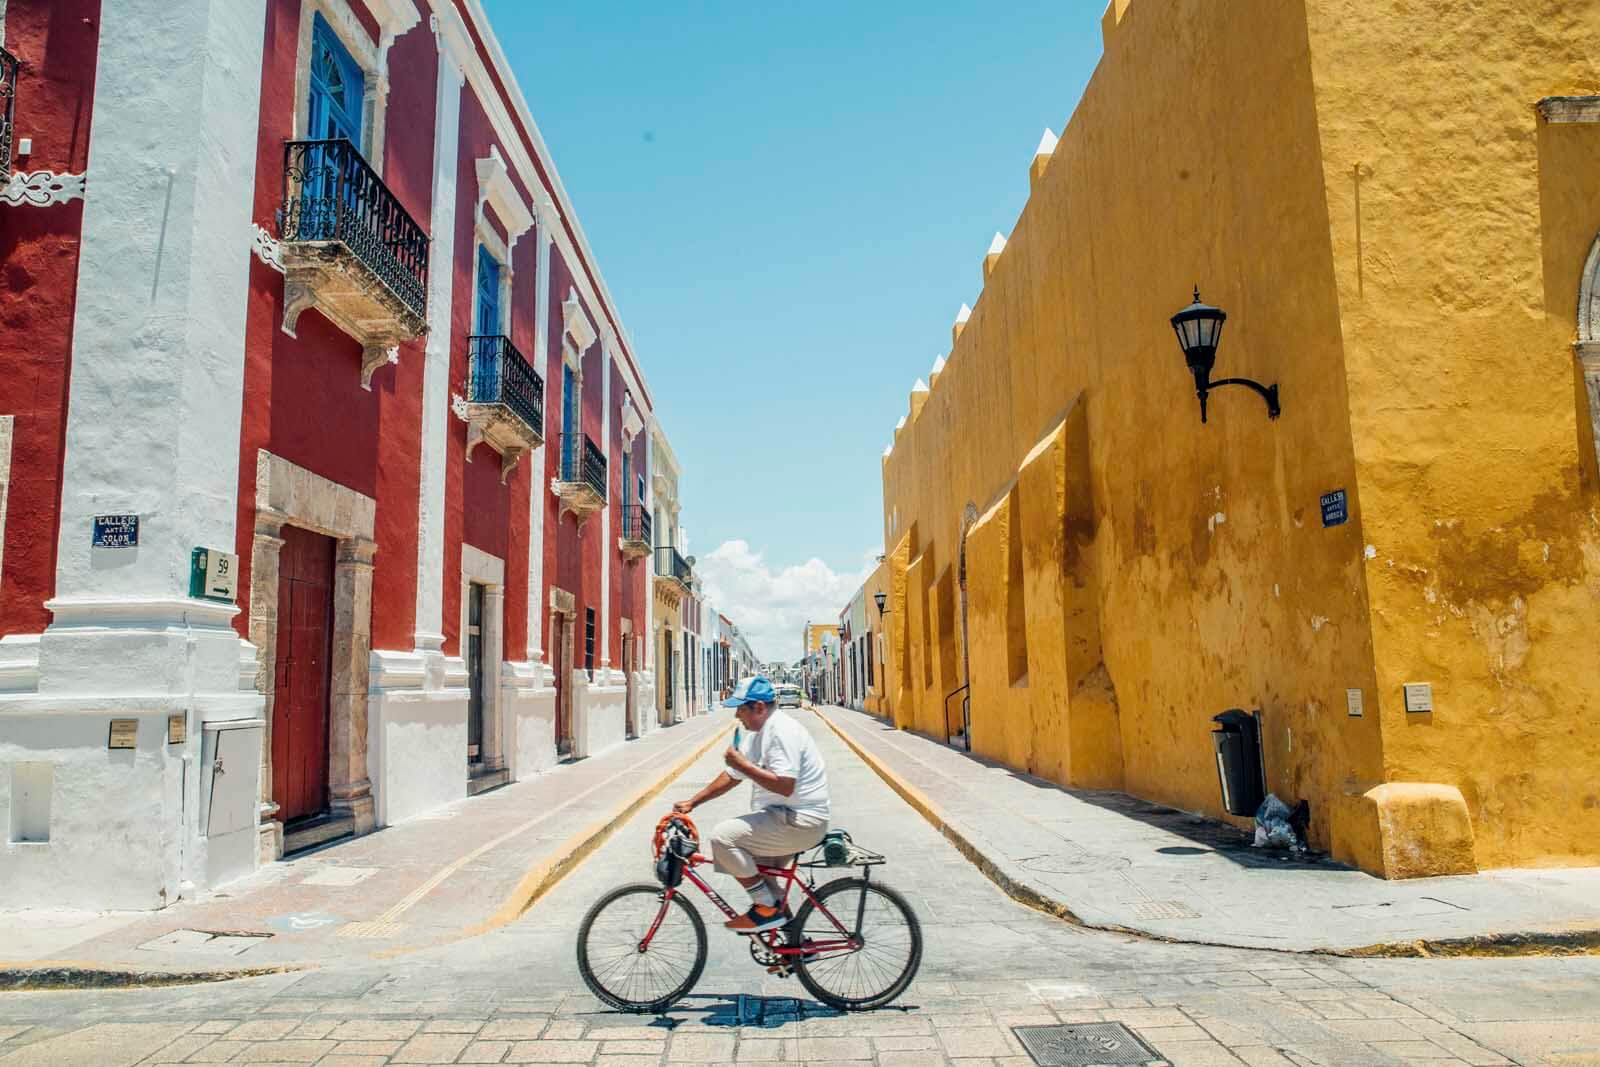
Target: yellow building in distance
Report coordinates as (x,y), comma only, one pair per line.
(1399,216)
(815,632)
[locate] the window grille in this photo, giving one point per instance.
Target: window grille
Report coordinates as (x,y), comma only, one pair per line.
(588,641)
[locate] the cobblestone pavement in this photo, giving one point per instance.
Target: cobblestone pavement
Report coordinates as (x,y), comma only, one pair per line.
(514,995)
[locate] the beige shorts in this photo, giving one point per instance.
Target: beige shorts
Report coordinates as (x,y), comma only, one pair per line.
(767,837)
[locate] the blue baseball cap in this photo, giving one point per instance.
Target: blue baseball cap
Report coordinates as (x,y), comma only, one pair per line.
(749,691)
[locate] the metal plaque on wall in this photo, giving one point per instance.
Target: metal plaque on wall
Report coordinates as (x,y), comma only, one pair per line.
(1335,508)
(116,531)
(124,733)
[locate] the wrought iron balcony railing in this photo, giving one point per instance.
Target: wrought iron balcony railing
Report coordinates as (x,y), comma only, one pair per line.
(671,564)
(331,194)
(8,103)
(582,463)
(499,375)
(636,523)
(635,540)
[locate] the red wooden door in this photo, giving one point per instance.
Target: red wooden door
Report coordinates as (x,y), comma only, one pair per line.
(300,692)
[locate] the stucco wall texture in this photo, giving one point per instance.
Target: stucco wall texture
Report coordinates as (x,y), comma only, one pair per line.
(1398,240)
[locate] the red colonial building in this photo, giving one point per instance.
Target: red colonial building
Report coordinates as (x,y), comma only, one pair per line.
(324,466)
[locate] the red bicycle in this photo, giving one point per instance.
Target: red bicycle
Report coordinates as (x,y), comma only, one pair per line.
(642,947)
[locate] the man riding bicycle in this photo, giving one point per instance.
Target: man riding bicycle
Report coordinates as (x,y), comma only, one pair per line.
(788,807)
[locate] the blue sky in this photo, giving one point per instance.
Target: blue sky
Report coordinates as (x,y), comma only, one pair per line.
(789,203)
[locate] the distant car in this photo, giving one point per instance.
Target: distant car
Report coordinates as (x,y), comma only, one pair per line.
(788,696)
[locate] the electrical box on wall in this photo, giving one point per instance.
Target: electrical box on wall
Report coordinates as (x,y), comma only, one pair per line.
(213,575)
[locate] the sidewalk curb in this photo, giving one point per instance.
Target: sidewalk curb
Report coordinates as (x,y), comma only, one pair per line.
(67,975)
(1524,943)
(72,974)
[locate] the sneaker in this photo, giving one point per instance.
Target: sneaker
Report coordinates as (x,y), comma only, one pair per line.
(758,918)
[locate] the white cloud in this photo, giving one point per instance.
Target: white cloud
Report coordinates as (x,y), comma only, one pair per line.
(770,607)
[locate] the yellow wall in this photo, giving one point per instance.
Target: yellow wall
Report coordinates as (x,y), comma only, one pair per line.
(1133,572)
(1475,221)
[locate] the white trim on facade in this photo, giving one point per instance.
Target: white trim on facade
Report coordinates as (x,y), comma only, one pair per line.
(42,188)
(436,352)
(541,363)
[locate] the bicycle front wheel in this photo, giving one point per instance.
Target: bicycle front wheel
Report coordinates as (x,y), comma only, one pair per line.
(886,960)
(625,972)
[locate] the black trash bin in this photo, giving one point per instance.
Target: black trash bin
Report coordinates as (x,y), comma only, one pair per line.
(1237,740)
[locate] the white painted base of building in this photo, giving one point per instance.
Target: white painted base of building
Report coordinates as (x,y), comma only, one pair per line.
(85,825)
(599,712)
(416,733)
(528,700)
(647,718)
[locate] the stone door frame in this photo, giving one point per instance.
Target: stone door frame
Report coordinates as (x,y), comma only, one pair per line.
(490,572)
(563,627)
(290,495)
(629,669)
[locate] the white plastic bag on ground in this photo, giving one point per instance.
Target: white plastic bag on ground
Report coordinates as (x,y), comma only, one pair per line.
(1272,826)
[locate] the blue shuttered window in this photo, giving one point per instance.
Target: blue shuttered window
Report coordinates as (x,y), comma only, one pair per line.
(338,89)
(488,294)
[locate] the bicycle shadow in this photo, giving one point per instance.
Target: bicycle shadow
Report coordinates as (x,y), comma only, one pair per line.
(744,1009)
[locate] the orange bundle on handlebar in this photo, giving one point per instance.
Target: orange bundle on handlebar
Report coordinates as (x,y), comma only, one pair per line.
(675,842)
(685,826)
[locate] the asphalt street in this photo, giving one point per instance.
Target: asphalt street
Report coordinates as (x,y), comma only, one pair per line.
(990,964)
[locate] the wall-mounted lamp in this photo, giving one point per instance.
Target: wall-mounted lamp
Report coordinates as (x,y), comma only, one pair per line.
(1199,330)
(880,598)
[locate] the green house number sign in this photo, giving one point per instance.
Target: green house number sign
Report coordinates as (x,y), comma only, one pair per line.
(213,575)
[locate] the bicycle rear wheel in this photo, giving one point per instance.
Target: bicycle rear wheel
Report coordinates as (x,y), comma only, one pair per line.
(612,963)
(877,972)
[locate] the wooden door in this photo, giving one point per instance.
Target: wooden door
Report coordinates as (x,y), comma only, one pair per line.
(302,683)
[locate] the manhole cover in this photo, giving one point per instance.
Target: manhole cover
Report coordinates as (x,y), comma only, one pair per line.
(1086,1045)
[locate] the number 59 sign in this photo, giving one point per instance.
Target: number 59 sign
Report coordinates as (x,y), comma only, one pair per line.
(213,575)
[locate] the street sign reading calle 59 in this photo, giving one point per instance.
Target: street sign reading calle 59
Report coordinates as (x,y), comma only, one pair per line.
(213,575)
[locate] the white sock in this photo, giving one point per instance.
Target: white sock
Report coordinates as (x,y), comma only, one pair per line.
(762,894)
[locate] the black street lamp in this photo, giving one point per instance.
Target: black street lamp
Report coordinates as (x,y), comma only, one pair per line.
(880,598)
(1199,330)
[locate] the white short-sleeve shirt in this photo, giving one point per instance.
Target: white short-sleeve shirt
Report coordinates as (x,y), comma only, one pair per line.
(783,747)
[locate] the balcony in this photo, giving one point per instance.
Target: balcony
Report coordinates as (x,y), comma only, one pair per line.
(580,479)
(350,251)
(673,568)
(505,400)
(635,541)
